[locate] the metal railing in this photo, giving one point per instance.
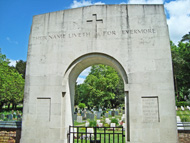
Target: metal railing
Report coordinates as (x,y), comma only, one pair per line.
(79,134)
(183,126)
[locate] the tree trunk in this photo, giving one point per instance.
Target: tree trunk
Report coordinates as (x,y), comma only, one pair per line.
(8,106)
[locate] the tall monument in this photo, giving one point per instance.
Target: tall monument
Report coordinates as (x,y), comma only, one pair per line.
(133,39)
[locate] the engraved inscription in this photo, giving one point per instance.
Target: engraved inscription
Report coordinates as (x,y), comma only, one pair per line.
(150,109)
(43,108)
(108,33)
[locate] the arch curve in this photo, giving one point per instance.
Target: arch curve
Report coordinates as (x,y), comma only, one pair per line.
(84,61)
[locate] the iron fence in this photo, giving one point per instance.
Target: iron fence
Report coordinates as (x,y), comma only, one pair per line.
(79,134)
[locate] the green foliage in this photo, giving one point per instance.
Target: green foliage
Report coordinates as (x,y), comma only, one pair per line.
(81,105)
(92,123)
(185,119)
(114,120)
(106,125)
(103,86)
(182,103)
(181,67)
(21,67)
(11,84)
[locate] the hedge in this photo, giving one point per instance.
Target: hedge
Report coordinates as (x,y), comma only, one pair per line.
(182,103)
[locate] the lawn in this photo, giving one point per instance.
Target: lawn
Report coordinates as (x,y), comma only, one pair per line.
(184,115)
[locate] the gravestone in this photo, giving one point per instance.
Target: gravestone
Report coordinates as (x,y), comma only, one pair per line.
(116,113)
(113,113)
(98,115)
(106,115)
(79,119)
(110,112)
(82,114)
(10,117)
(112,125)
(86,124)
(75,117)
(2,116)
(91,116)
(87,115)
(19,117)
(133,39)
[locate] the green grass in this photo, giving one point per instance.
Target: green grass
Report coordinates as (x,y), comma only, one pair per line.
(184,115)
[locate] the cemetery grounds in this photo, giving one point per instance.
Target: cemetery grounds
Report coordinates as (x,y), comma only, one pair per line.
(183,114)
(101,130)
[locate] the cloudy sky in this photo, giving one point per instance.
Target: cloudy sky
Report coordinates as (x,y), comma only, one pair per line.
(16,20)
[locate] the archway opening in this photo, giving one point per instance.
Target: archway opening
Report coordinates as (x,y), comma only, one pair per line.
(85,61)
(102,90)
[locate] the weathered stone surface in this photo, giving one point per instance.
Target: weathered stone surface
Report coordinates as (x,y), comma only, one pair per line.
(133,39)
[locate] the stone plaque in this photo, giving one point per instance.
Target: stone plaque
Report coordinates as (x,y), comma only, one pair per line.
(150,109)
(43,108)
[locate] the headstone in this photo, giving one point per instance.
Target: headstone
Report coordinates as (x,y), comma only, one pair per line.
(75,117)
(106,115)
(86,124)
(91,116)
(98,115)
(87,115)
(100,124)
(116,113)
(110,112)
(178,119)
(107,120)
(124,125)
(82,114)
(113,113)
(123,117)
(2,116)
(100,109)
(112,125)
(10,116)
(90,130)
(182,108)
(19,117)
(98,121)
(79,119)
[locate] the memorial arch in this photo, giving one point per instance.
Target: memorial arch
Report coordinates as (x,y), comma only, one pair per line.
(133,39)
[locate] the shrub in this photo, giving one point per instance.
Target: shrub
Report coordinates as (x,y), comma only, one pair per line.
(92,123)
(114,120)
(81,105)
(184,119)
(106,125)
(183,103)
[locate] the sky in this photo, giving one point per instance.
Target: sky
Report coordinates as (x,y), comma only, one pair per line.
(16,20)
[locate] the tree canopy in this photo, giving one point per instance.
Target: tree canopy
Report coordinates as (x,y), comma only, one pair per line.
(103,87)
(181,67)
(11,83)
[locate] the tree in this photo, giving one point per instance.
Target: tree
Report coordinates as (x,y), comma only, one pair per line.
(102,87)
(181,68)
(21,67)
(11,83)
(186,38)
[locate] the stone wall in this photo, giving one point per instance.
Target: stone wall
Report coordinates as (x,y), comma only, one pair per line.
(10,135)
(184,136)
(13,136)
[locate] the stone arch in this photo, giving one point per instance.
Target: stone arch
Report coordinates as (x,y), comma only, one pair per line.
(84,61)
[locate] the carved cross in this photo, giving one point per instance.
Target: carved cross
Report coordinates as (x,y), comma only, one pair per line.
(95,20)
